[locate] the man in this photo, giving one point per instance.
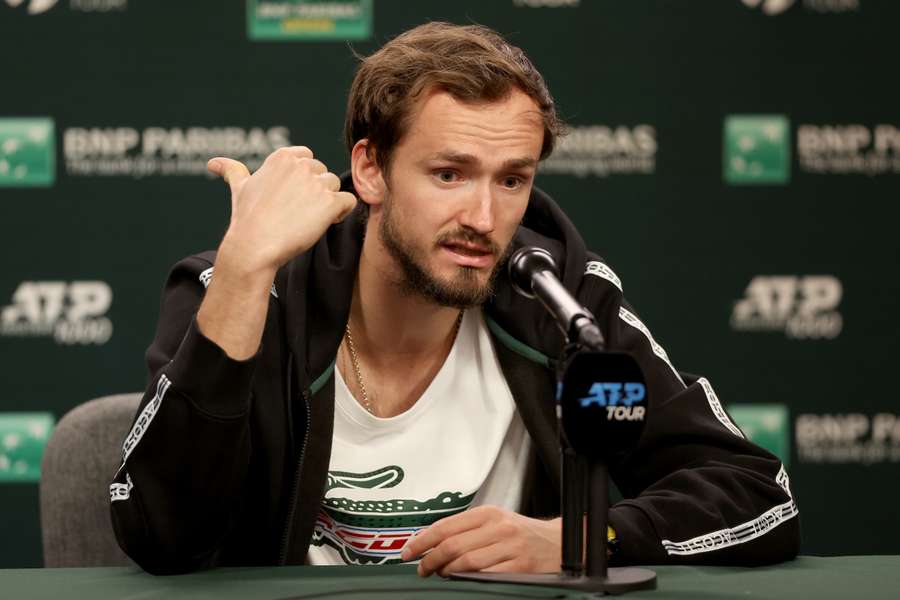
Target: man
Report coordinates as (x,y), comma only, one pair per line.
(360,384)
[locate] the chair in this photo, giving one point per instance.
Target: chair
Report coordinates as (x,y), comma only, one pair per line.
(79,462)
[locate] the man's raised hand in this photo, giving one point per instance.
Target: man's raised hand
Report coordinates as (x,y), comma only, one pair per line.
(282,209)
(277,213)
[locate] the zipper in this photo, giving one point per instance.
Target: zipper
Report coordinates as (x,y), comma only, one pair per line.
(288,525)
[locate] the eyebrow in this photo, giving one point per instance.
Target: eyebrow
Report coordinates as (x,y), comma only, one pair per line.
(462,158)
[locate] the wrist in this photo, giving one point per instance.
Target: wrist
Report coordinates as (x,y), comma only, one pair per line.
(244,261)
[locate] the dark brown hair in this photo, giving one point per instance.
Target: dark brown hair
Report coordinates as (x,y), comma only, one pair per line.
(471,62)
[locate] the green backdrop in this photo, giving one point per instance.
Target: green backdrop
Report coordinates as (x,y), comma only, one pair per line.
(736,161)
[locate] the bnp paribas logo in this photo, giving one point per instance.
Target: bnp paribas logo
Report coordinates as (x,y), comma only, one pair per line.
(309,19)
(757,149)
(23,437)
(766,425)
(27,152)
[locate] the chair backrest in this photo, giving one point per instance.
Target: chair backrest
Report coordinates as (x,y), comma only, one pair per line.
(79,462)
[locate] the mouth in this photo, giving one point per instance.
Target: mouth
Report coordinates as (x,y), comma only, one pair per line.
(468,254)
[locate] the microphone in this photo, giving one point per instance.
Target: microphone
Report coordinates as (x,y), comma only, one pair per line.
(601,407)
(534,275)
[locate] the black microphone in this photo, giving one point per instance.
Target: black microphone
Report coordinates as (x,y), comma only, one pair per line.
(533,274)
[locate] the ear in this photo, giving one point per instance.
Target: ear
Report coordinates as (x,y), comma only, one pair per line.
(368,180)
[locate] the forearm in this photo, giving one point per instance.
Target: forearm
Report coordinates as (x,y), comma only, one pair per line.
(192,426)
(233,312)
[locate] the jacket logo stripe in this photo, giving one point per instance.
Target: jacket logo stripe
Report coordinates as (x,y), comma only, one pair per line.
(145,418)
(658,350)
(206,277)
(745,532)
(595,267)
(784,481)
(121,491)
(717,409)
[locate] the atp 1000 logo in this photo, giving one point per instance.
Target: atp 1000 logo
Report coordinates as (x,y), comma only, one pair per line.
(801,307)
(69,312)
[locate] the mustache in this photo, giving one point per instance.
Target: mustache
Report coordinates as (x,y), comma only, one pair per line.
(465,235)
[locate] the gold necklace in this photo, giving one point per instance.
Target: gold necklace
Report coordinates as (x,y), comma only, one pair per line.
(354,360)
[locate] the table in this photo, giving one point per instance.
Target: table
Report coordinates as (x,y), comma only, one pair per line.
(853,577)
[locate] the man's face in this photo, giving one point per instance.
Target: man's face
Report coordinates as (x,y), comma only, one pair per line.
(458,187)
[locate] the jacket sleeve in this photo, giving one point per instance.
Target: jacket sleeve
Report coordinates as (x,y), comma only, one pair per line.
(185,458)
(695,489)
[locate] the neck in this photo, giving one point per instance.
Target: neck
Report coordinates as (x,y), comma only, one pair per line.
(400,340)
(391,323)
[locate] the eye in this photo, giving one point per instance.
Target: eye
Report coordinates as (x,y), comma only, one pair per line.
(512,182)
(447,175)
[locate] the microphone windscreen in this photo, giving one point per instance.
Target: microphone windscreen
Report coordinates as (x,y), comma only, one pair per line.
(603,401)
(525,263)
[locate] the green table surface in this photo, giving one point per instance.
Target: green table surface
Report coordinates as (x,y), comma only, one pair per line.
(845,577)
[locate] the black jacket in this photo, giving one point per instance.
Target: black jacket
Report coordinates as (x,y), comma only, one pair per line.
(227,461)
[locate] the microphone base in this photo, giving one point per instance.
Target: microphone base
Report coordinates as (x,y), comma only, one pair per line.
(618,580)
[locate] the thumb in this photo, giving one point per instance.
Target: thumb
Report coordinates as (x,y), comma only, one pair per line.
(233,172)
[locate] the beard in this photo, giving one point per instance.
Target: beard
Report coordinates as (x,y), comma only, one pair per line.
(464,289)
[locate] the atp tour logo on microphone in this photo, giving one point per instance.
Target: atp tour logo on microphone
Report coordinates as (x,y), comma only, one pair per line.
(69,312)
(803,307)
(618,399)
(602,402)
(603,151)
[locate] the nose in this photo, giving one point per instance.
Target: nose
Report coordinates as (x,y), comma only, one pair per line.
(478,212)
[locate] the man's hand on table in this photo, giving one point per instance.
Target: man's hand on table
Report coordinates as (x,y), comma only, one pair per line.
(487,538)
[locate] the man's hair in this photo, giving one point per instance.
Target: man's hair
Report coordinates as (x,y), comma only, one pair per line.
(472,63)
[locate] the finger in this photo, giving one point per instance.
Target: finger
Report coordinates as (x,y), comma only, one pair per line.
(455,547)
(497,557)
(316,166)
(331,181)
(345,202)
(508,566)
(232,171)
(295,151)
(441,530)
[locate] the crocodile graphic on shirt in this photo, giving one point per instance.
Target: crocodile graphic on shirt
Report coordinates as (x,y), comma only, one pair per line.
(374,532)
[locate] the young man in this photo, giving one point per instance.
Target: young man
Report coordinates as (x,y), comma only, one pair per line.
(352,374)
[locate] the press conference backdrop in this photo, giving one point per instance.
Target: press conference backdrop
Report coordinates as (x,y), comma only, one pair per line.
(736,162)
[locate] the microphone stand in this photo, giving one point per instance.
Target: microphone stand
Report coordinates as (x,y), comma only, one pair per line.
(596,576)
(533,274)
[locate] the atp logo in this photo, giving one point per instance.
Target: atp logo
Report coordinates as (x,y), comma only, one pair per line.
(69,312)
(35,7)
(802,307)
(770,7)
(618,399)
